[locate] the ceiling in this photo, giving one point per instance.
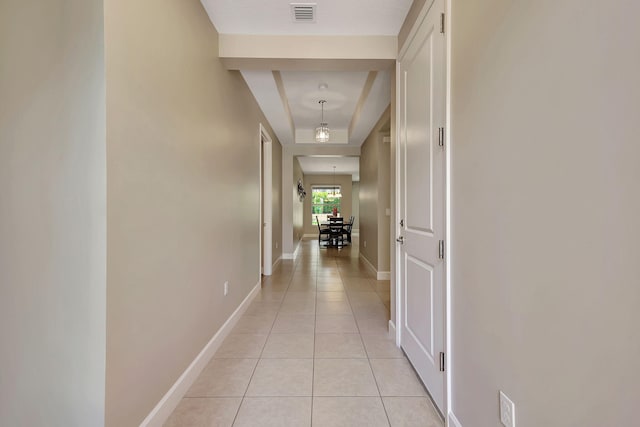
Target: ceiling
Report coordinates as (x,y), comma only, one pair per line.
(333,17)
(288,96)
(355,102)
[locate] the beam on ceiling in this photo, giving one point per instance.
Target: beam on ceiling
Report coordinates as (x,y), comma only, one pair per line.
(348,53)
(363,98)
(277,77)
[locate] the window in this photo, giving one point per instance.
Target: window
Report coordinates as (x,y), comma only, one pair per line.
(323,200)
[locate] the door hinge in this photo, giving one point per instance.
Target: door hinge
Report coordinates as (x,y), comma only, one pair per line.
(441,249)
(441,362)
(441,137)
(442,23)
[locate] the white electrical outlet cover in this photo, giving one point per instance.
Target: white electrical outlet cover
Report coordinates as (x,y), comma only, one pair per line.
(507,411)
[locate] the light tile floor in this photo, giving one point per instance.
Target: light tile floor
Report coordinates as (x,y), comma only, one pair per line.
(311,350)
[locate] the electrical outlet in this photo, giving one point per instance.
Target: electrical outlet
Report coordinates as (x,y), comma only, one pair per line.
(365,243)
(276,245)
(226,288)
(507,411)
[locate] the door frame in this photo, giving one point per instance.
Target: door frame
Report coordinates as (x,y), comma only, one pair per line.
(447,202)
(265,226)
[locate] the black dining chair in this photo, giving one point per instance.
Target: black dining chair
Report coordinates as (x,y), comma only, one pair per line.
(323,231)
(336,235)
(346,229)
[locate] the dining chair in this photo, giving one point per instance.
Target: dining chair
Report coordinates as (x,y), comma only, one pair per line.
(346,229)
(323,231)
(336,234)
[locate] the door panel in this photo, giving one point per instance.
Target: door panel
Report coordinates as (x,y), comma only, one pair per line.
(419,325)
(418,142)
(422,203)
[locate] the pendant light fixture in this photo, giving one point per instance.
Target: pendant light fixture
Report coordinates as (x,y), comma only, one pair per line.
(334,190)
(322,131)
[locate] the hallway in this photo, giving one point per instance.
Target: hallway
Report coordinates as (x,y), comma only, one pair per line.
(312,349)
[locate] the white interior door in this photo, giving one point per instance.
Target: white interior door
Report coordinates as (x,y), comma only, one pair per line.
(267,204)
(421,166)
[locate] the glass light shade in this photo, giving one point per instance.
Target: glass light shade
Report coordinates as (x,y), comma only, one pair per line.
(322,133)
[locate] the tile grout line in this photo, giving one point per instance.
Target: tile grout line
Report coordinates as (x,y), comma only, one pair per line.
(344,268)
(261,351)
(378,387)
(354,315)
(313,363)
(335,261)
(369,362)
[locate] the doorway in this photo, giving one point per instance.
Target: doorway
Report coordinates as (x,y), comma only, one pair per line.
(266,202)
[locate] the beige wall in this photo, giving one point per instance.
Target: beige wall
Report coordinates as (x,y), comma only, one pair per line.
(183,197)
(276,215)
(298,206)
(374,195)
(384,204)
(355,203)
(368,240)
(344,181)
(52,213)
(545,208)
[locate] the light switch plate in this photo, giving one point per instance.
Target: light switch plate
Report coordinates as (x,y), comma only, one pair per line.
(507,411)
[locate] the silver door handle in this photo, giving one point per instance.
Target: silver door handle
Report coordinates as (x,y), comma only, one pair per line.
(400,240)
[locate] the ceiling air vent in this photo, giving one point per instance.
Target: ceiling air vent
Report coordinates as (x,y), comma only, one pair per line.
(303,12)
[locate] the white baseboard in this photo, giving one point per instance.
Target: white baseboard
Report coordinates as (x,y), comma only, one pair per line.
(453,421)
(275,264)
(294,254)
(392,330)
(370,266)
(159,415)
(384,275)
(379,275)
